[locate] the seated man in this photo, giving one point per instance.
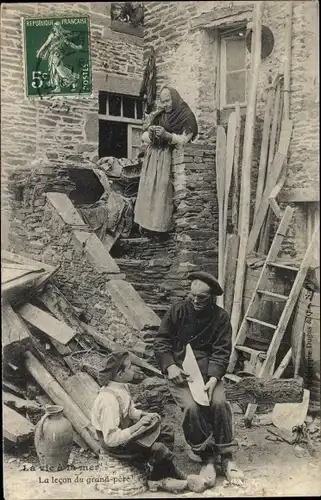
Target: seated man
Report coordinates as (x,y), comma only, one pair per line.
(206,327)
(120,426)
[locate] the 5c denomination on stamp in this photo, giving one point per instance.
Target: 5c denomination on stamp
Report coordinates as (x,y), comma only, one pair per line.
(57,56)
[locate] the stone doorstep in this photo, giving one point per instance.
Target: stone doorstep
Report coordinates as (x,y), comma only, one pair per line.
(131,305)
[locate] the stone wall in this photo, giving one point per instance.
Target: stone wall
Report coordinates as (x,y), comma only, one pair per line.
(159,270)
(187,59)
(62,129)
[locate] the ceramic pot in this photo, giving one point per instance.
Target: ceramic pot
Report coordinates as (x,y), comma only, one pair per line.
(53,439)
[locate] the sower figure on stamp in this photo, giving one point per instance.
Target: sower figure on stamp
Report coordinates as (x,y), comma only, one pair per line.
(121,428)
(198,321)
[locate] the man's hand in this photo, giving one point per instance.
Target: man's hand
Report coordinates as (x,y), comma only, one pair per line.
(176,375)
(210,386)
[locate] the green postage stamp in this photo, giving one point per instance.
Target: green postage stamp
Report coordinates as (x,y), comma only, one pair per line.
(57,57)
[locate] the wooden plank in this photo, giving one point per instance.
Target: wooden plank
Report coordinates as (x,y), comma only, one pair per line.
(45,322)
(283,365)
(264,205)
(65,209)
(16,428)
(220,189)
(255,390)
(25,285)
(264,149)
(245,198)
(9,275)
(132,306)
(287,62)
(230,146)
(95,251)
(14,331)
(20,259)
(17,403)
(232,246)
(236,194)
(13,387)
(60,307)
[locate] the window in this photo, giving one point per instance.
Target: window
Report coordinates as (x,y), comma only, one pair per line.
(120,123)
(233,72)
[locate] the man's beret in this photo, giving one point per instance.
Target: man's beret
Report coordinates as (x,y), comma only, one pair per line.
(113,363)
(208,279)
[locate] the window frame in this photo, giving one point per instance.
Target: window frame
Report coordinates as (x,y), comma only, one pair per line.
(223,36)
(131,122)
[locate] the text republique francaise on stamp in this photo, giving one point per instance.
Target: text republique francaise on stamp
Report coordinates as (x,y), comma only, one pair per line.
(57,57)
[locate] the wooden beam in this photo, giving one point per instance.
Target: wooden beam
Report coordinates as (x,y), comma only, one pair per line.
(259,391)
(16,428)
(82,389)
(245,197)
(46,323)
(236,189)
(220,189)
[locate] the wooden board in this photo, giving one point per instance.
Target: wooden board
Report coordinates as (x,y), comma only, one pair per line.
(231,252)
(230,144)
(14,331)
(16,428)
(220,189)
(11,257)
(195,381)
(46,323)
(14,402)
(9,274)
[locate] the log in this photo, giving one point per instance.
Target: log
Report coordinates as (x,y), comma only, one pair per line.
(46,323)
(259,391)
(16,428)
(60,397)
(245,198)
(17,403)
(110,345)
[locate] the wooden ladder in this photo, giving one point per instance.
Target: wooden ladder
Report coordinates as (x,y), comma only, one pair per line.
(263,363)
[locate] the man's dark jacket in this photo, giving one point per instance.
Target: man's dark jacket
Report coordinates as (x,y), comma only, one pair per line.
(209,332)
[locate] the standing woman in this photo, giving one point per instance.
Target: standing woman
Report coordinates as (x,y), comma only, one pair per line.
(174,124)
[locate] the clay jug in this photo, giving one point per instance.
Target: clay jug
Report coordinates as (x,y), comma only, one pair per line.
(53,439)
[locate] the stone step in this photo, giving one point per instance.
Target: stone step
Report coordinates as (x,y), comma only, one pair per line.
(131,305)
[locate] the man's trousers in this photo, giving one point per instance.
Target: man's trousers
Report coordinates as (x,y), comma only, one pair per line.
(207,429)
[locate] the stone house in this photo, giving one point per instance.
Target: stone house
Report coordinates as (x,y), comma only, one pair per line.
(191,40)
